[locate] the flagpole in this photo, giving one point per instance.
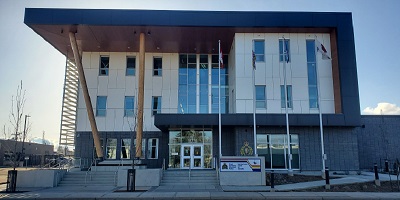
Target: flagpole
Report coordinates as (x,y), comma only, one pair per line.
(254,108)
(219,98)
(290,171)
(323,156)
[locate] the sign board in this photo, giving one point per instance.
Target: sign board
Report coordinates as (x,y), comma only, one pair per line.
(240,165)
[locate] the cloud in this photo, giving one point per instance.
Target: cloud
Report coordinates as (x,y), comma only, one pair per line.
(383,108)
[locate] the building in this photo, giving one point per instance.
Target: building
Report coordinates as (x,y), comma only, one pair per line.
(33,155)
(181,85)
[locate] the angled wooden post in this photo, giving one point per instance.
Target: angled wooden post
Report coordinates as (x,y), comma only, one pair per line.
(86,96)
(139,127)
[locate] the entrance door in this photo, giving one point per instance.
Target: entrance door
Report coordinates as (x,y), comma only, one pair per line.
(192,156)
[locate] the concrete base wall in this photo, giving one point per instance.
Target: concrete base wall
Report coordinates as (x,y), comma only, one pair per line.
(243,178)
(40,178)
(144,177)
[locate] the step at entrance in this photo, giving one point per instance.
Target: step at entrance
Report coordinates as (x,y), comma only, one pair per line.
(81,178)
(181,177)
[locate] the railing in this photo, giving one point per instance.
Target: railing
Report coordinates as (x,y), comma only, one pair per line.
(90,170)
(116,172)
(190,169)
(216,166)
(163,165)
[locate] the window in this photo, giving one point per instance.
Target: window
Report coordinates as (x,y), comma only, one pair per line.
(260,96)
(143,148)
(153,148)
(289,96)
(197,84)
(130,66)
(125,148)
(111,148)
(259,50)
(282,56)
(312,74)
(274,147)
(157,66)
(101,106)
(156,105)
(104,65)
(129,109)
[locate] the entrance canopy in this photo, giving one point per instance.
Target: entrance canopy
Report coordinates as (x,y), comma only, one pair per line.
(167,31)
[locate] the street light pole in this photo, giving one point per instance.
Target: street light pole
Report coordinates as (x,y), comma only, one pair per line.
(23,136)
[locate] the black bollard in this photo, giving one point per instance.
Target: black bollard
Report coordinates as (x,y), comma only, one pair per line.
(272,182)
(12,181)
(377,182)
(130,181)
(327,185)
(386,166)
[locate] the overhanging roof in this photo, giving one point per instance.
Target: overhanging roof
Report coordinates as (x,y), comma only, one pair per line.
(100,30)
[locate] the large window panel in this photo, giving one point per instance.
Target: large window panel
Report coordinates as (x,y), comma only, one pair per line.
(260,96)
(111,148)
(259,50)
(101,106)
(152,148)
(129,108)
(125,148)
(104,65)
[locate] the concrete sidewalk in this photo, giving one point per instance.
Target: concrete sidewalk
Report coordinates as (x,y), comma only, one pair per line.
(208,192)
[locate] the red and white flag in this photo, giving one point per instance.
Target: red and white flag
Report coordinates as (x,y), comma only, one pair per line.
(321,48)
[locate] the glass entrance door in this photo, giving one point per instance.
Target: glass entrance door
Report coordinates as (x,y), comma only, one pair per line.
(192,156)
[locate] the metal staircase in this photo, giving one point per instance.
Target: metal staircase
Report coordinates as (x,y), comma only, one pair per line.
(69,107)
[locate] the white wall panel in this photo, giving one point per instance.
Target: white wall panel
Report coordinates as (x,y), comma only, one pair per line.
(91,78)
(95,60)
(131,87)
(82,120)
(244,86)
(117,60)
(112,78)
(120,83)
(240,106)
(101,122)
(93,97)
(299,70)
(173,100)
(174,79)
(110,120)
(86,60)
(115,98)
(103,85)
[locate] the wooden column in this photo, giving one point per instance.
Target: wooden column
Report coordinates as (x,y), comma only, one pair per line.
(86,96)
(139,129)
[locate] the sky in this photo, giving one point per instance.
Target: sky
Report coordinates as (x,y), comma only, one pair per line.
(26,56)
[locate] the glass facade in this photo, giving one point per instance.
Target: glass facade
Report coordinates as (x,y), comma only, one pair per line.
(312,74)
(274,147)
(196,138)
(197,79)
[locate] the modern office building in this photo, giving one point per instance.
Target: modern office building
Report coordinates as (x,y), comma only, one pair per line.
(181,98)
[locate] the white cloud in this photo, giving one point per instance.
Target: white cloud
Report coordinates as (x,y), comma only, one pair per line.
(383,108)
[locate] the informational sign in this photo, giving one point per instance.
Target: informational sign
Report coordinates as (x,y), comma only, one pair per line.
(240,165)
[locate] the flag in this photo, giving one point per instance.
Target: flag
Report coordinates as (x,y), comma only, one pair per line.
(221,59)
(286,50)
(254,60)
(321,48)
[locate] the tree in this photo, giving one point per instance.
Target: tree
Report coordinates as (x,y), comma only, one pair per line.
(16,120)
